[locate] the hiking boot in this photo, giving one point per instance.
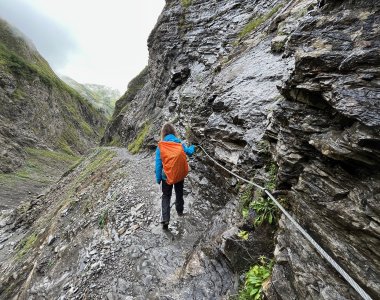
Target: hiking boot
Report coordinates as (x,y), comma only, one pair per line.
(181,214)
(165,225)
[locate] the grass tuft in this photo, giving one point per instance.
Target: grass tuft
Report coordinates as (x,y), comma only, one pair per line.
(26,245)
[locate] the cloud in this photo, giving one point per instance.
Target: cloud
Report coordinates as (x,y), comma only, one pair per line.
(52,40)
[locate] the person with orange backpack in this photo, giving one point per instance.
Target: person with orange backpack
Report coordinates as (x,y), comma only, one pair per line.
(171,169)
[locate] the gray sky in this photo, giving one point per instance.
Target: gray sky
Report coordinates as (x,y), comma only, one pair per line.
(91,41)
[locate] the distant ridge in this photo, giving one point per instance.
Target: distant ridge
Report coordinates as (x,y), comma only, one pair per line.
(101,96)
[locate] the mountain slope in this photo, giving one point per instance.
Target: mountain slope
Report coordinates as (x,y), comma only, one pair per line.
(38,111)
(100,96)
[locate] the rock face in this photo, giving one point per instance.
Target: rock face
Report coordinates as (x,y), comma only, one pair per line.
(325,139)
(38,112)
(302,75)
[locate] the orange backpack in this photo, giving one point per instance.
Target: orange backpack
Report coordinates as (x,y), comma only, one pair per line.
(174,161)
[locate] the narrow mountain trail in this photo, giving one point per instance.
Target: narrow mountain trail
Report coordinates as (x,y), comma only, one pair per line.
(101,238)
(151,262)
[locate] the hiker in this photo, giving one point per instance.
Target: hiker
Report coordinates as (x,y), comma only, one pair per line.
(171,169)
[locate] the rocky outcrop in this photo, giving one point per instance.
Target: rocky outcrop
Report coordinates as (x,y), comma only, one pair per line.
(325,138)
(39,113)
(114,130)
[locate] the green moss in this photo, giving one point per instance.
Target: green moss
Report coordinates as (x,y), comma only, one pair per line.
(186,3)
(256,22)
(26,245)
(272,171)
(135,146)
(48,154)
(87,129)
(69,139)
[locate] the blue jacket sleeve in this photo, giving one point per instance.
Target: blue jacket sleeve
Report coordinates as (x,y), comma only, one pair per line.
(158,166)
(188,150)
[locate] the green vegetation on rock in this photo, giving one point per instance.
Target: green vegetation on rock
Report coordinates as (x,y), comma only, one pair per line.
(26,244)
(102,157)
(135,146)
(134,86)
(18,94)
(265,209)
(256,22)
(272,172)
(186,3)
(19,58)
(115,142)
(255,280)
(103,219)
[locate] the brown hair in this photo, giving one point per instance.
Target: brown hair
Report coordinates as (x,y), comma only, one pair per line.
(166,129)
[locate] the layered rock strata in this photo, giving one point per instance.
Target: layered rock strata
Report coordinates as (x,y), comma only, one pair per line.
(305,78)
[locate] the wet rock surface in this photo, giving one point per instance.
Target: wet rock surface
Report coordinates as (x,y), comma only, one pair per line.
(324,140)
(306,81)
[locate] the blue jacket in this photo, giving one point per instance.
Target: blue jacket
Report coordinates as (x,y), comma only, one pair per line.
(160,174)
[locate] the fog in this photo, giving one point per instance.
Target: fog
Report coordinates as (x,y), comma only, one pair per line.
(102,42)
(51,39)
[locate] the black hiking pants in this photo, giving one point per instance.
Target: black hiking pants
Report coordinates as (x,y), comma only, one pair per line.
(166,195)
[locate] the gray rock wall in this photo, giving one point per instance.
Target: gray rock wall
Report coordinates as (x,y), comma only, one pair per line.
(306,80)
(325,141)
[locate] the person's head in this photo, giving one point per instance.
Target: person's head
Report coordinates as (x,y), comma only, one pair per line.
(166,129)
